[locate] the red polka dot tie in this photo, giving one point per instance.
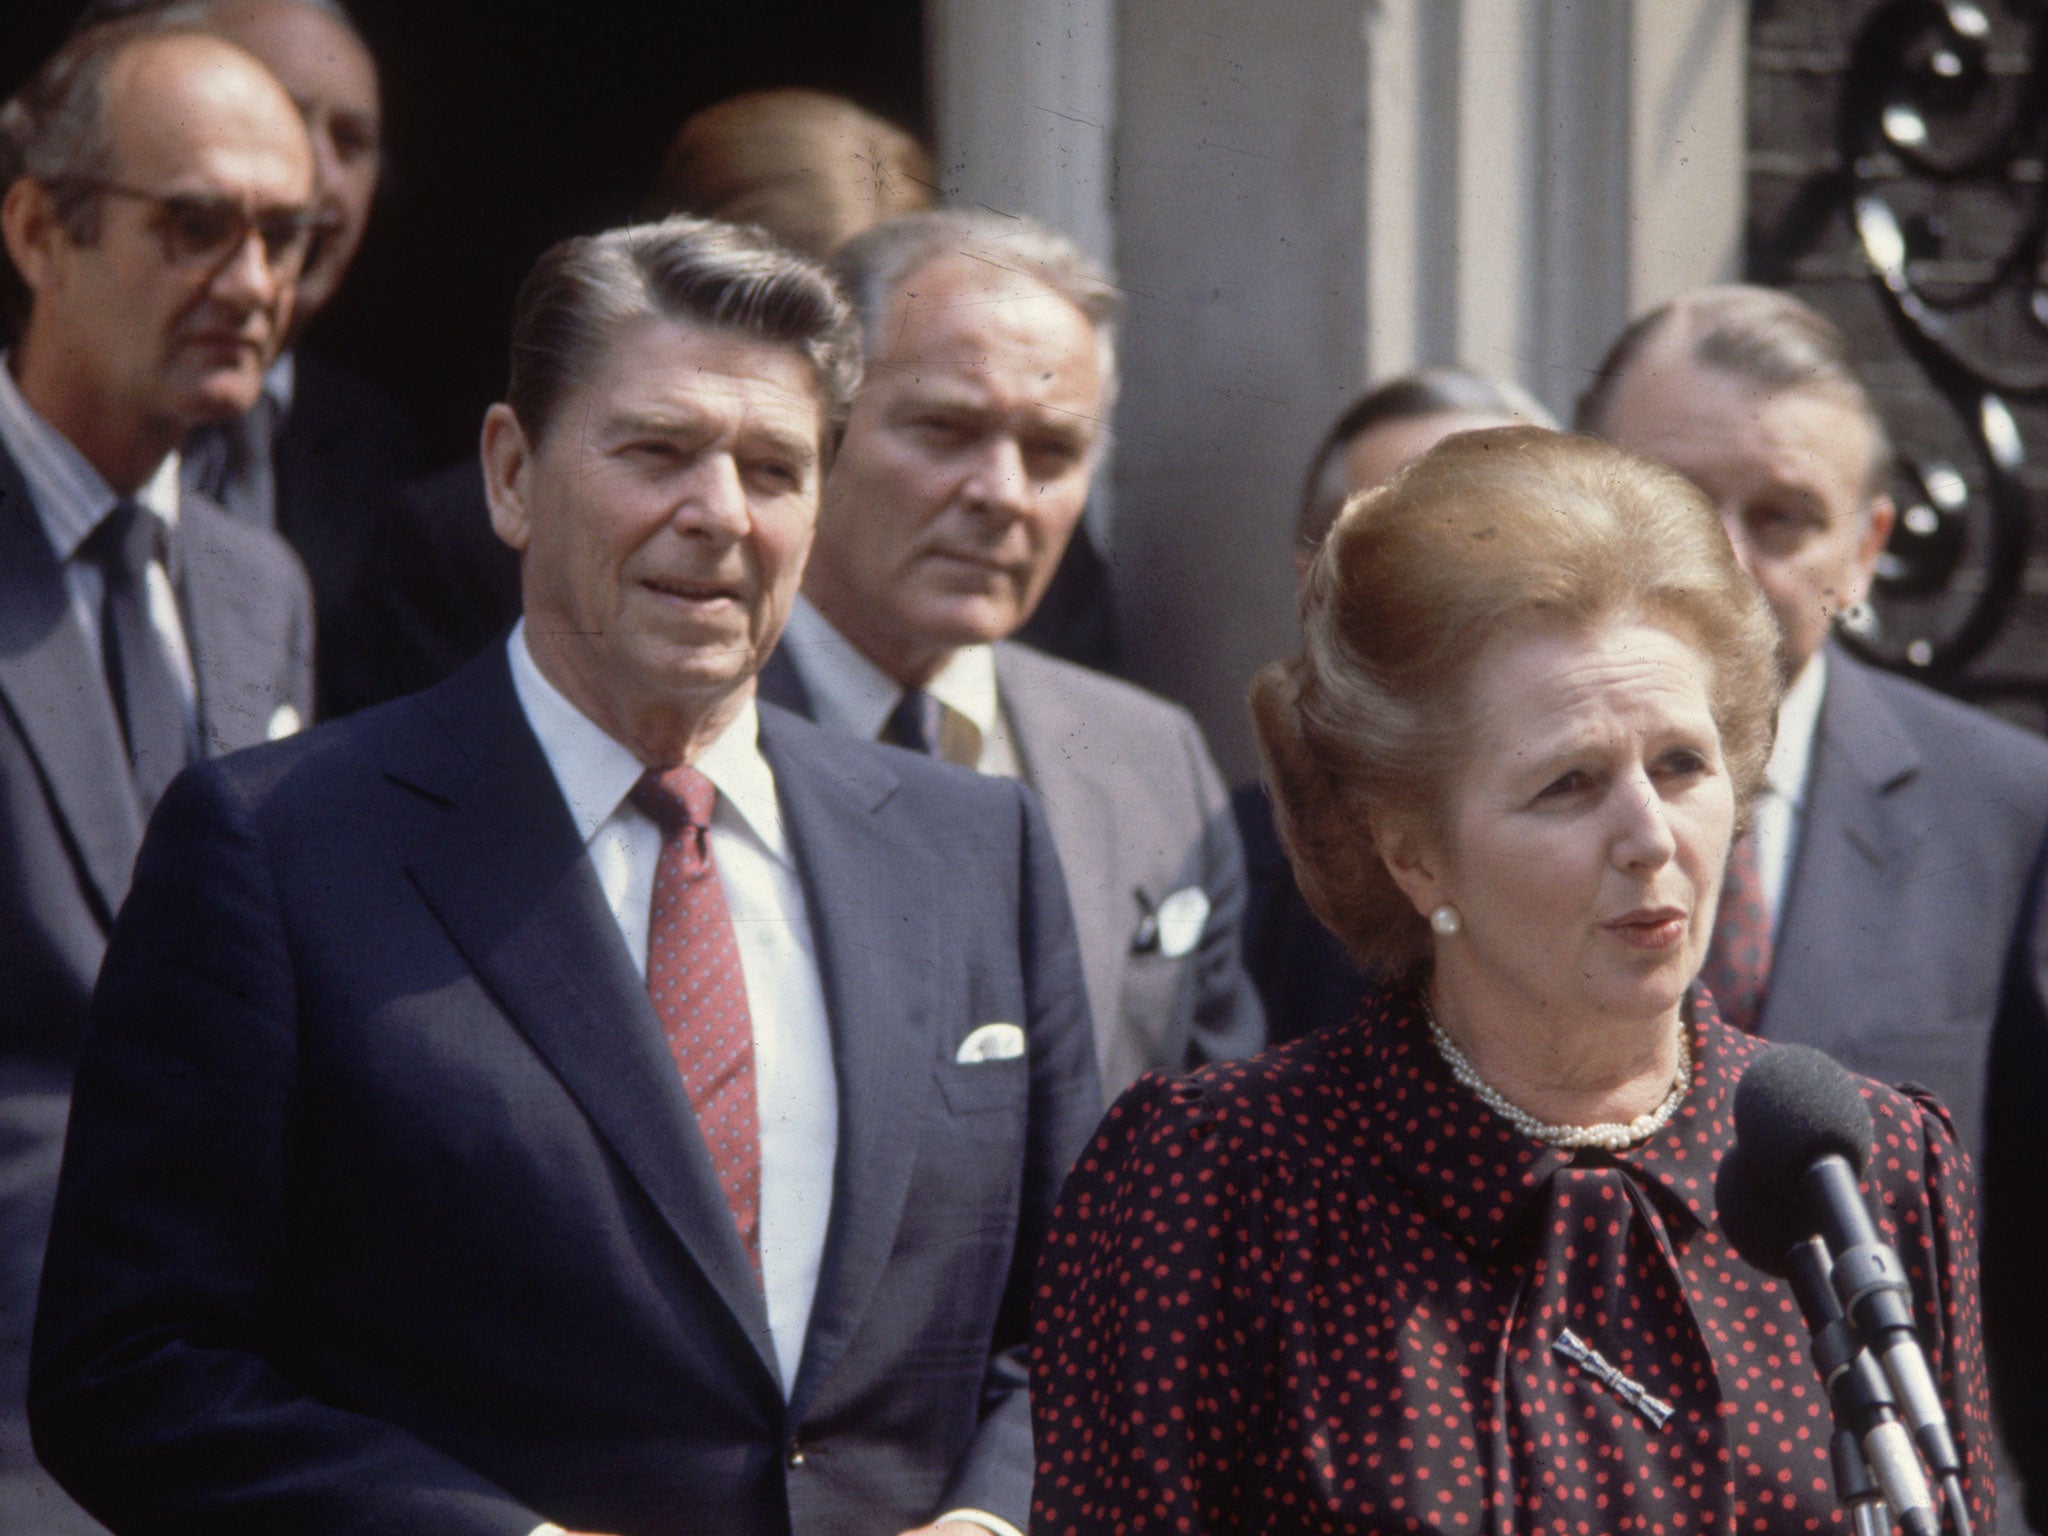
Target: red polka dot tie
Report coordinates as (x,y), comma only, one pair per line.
(699,991)
(1738,965)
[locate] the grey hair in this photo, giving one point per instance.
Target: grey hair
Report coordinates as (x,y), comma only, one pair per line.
(584,291)
(873,266)
(1760,336)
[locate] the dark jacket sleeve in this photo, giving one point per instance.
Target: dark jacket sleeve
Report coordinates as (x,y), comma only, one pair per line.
(2016,1208)
(158,1396)
(995,1475)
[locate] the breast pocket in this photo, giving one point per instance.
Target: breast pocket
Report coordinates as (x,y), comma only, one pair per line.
(970,1156)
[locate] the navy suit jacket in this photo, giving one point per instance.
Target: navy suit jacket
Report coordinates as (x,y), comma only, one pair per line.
(69,829)
(342,452)
(384,1208)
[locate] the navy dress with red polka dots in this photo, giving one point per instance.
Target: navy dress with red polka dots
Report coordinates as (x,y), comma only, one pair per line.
(1327,1290)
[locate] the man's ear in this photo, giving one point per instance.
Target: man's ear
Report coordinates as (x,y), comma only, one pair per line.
(1413,860)
(508,475)
(32,230)
(1877,529)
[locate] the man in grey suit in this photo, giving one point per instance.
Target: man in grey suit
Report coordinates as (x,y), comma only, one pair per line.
(1895,840)
(962,475)
(155,213)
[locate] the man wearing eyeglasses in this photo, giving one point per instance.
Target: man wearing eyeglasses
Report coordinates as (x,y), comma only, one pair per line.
(323,446)
(156,210)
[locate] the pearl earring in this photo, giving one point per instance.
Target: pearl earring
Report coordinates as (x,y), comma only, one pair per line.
(1445,920)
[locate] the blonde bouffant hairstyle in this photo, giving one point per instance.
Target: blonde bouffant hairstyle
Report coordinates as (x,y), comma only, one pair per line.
(1488,532)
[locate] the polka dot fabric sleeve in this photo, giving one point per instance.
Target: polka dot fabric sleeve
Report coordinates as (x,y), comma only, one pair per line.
(1148,1326)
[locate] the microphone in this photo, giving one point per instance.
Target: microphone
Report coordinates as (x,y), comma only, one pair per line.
(1871,1443)
(1797,1110)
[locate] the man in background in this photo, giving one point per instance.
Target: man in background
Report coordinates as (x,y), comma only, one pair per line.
(966,462)
(156,210)
(322,449)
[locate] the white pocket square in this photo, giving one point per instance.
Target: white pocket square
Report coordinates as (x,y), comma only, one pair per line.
(284,721)
(1181,918)
(992,1042)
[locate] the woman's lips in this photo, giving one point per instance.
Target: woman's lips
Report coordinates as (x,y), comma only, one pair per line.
(1650,927)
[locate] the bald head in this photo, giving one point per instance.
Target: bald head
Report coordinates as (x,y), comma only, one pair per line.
(1752,396)
(173,99)
(158,227)
(814,170)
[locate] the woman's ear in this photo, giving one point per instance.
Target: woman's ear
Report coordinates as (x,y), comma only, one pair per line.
(1414,861)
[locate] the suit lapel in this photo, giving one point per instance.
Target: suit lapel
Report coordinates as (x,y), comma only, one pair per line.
(1082,812)
(781,684)
(54,687)
(868,889)
(512,883)
(1855,846)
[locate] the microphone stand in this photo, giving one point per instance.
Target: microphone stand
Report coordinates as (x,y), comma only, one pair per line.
(1855,1489)
(1880,1452)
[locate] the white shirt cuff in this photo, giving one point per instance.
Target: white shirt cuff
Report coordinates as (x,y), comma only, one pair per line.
(982,1518)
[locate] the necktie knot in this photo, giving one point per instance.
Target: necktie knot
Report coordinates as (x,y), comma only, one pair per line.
(124,543)
(914,722)
(676,798)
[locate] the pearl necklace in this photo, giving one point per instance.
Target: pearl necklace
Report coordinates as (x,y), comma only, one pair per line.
(1609,1137)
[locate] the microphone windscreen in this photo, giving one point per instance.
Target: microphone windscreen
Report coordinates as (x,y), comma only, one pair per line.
(1794,1106)
(1760,1213)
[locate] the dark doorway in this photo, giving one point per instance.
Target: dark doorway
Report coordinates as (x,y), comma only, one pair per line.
(511,124)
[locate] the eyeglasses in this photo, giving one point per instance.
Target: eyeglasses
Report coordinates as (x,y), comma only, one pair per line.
(200,231)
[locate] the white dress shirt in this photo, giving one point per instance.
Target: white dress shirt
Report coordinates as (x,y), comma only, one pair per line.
(1779,808)
(71,499)
(793,1078)
(852,694)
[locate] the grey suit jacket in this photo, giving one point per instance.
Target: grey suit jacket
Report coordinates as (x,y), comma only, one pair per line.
(1138,814)
(69,830)
(1921,822)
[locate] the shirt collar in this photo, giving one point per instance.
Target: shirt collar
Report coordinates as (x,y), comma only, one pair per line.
(70,496)
(854,695)
(1798,718)
(281,383)
(596,772)
(1475,1174)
